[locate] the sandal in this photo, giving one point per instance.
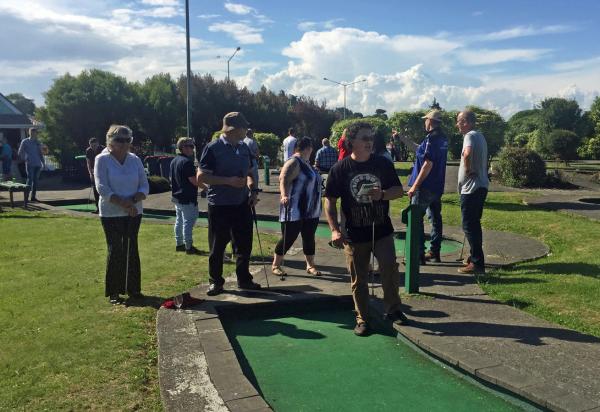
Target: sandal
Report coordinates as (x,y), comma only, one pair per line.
(278,271)
(313,271)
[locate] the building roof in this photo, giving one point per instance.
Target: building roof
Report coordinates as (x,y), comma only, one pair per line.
(11,117)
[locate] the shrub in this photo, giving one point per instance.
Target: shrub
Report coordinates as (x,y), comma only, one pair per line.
(381,128)
(158,184)
(268,145)
(590,149)
(520,167)
(560,144)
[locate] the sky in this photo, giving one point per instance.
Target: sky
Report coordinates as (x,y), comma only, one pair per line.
(503,55)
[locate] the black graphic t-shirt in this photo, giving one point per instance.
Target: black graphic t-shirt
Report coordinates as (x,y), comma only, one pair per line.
(345,180)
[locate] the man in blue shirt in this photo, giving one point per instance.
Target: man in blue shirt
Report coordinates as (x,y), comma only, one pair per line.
(226,167)
(427,181)
(30,150)
(326,157)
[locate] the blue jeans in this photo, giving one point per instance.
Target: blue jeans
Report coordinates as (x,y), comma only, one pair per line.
(434,214)
(424,198)
(471,207)
(185,218)
(33,176)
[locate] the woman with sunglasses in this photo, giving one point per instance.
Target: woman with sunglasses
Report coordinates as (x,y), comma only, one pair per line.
(122,184)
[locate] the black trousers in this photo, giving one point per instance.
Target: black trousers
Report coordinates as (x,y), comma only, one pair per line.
(306,227)
(471,207)
(96,194)
(225,224)
(123,271)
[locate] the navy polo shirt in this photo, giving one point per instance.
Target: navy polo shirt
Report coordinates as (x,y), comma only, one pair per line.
(435,149)
(183,191)
(220,158)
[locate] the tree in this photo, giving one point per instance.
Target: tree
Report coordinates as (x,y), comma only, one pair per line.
(559,113)
(382,129)
(560,144)
(590,149)
(521,123)
(381,114)
(435,105)
(25,105)
(84,106)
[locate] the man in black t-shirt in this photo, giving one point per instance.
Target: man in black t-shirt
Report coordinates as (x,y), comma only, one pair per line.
(184,194)
(90,158)
(365,185)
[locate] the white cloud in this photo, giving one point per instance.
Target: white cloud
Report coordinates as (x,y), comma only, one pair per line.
(161,2)
(577,64)
(486,56)
(318,25)
(242,32)
(238,8)
(477,13)
(208,16)
(524,31)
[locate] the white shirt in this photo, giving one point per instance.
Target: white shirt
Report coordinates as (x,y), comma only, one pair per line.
(289,144)
(123,180)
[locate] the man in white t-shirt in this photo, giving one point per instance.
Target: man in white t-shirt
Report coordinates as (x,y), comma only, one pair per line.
(289,143)
(473,185)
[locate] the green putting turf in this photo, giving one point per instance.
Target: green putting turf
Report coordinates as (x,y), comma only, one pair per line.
(313,362)
(448,246)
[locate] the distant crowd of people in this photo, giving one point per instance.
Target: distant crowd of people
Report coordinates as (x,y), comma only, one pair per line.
(357,175)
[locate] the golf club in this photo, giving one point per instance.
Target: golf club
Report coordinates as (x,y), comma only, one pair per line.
(89,197)
(286,209)
(462,250)
(262,255)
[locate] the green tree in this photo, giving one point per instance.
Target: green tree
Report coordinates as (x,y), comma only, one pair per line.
(590,149)
(382,129)
(560,144)
(559,113)
(520,123)
(25,105)
(84,106)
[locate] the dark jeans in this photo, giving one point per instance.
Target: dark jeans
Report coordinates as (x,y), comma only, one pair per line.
(96,194)
(306,227)
(434,214)
(33,176)
(471,207)
(225,224)
(424,198)
(123,271)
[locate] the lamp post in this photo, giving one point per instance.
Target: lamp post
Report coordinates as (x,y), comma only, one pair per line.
(344,85)
(189,70)
(229,59)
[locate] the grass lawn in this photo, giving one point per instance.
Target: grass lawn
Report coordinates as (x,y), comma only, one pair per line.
(63,346)
(563,287)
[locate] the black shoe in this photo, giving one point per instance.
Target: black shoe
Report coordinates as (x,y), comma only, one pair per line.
(397,317)
(95,212)
(433,257)
(115,300)
(193,251)
(34,199)
(180,248)
(214,290)
(361,329)
(136,295)
(249,286)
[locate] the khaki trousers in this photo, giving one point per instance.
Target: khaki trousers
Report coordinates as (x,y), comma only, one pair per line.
(357,260)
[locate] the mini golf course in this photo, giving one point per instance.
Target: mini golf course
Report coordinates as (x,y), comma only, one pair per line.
(323,232)
(312,362)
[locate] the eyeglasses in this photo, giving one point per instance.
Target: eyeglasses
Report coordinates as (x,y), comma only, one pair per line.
(121,140)
(189,145)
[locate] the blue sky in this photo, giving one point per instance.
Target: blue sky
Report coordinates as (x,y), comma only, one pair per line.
(504,55)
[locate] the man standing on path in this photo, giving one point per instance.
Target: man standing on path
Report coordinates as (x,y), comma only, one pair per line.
(289,144)
(366,185)
(326,157)
(184,195)
(30,150)
(473,185)
(253,146)
(90,158)
(427,182)
(226,167)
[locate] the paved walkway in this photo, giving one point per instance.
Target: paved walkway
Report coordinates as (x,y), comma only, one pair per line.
(572,202)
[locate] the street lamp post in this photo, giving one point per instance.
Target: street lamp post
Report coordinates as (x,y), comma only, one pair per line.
(345,85)
(189,70)
(228,60)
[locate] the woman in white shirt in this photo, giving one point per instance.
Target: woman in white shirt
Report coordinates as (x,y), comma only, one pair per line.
(122,184)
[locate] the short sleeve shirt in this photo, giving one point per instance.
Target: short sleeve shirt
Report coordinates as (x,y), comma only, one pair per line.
(91,154)
(345,180)
(435,149)
(289,143)
(479,168)
(182,190)
(220,158)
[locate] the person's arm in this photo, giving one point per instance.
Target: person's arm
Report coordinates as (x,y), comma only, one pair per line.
(337,238)
(143,186)
(90,168)
(467,157)
(423,173)
(289,172)
(205,172)
(410,145)
(21,151)
(103,186)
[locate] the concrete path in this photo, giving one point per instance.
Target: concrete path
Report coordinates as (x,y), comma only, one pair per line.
(572,202)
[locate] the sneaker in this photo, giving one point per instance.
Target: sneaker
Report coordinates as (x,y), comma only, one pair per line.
(249,286)
(361,329)
(433,256)
(472,269)
(180,248)
(397,317)
(193,251)
(214,290)
(115,300)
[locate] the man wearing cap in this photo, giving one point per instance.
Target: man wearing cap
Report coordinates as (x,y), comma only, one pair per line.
(253,146)
(427,181)
(226,167)
(184,195)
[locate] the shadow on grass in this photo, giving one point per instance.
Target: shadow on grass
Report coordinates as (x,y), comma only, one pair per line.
(558,268)
(507,207)
(145,302)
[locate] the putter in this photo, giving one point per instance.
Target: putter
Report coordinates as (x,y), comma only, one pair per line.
(372,268)
(286,210)
(462,249)
(262,255)
(89,197)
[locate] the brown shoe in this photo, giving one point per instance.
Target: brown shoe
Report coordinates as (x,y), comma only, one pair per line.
(472,269)
(361,329)
(433,256)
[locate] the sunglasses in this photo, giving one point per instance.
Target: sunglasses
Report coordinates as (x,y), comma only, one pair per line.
(121,140)
(189,145)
